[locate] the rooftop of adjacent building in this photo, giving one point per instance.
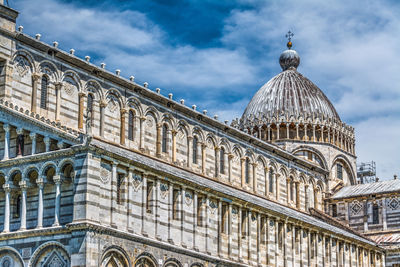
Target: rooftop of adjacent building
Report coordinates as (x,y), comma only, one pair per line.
(378,187)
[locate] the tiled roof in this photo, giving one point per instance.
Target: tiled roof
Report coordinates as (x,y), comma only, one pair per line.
(368,189)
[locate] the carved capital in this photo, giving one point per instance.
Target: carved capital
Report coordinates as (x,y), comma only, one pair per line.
(103,103)
(20,130)
(7,187)
(60,144)
(123,111)
(46,140)
(23,185)
(32,135)
(82,94)
(57,179)
(40,182)
(58,85)
(6,127)
(36,76)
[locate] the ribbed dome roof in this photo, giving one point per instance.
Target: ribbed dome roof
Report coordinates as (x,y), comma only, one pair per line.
(289,93)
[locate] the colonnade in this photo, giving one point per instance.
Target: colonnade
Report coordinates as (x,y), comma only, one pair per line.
(272,132)
(20,141)
(23,186)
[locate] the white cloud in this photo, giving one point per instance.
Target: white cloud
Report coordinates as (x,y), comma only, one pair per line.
(348,48)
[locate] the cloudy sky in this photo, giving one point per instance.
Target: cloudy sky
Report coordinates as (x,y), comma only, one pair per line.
(217,54)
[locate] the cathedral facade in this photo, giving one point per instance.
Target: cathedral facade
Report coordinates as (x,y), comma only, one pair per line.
(97,170)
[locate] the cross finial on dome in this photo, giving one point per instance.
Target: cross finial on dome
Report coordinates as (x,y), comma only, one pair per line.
(289,35)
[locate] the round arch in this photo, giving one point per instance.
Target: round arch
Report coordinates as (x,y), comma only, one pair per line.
(346,161)
(145,260)
(115,256)
(172,262)
(48,252)
(11,255)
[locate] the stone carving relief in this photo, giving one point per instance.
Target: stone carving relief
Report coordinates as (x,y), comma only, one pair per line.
(188,198)
(6,261)
(394,203)
(355,208)
(213,206)
(149,121)
(105,175)
(164,190)
(70,87)
(55,260)
(234,212)
(112,105)
(137,179)
(22,66)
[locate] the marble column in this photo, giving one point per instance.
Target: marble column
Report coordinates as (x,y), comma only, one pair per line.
(103,105)
(128,199)
(47,142)
(240,234)
(32,135)
(7,190)
(297,131)
(242,165)
(40,183)
(113,200)
(203,158)
(182,210)
(207,227)
(35,79)
(7,129)
(195,207)
(190,151)
(57,181)
(58,87)
(254,177)
(141,145)
(82,98)
(217,161)
(170,211)
(384,222)
(23,185)
(122,127)
(173,135)
(230,157)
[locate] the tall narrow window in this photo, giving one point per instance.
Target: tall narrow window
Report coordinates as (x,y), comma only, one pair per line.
(120,178)
(224,219)
(90,108)
(149,197)
(17,211)
(200,206)
(43,93)
(244,224)
(195,143)
(222,160)
(175,204)
(271,180)
(375,214)
(164,138)
(339,169)
(247,170)
(334,210)
(131,124)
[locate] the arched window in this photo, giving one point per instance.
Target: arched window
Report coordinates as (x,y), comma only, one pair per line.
(131,124)
(90,108)
(164,138)
(271,180)
(247,170)
(43,93)
(222,160)
(195,143)
(291,189)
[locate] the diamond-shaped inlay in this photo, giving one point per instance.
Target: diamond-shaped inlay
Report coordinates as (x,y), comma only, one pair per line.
(355,208)
(394,203)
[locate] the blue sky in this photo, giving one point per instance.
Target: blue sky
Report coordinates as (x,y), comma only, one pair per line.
(217,54)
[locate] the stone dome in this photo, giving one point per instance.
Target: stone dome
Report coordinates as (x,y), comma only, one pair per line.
(290,94)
